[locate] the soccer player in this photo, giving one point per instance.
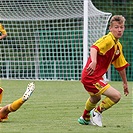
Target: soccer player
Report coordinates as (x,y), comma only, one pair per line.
(14,106)
(105,51)
(3,32)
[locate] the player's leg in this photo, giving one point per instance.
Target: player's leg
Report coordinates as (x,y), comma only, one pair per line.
(17,103)
(112,97)
(1,92)
(4,111)
(90,104)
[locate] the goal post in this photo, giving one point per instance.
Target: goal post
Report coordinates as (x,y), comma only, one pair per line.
(48,39)
(95,25)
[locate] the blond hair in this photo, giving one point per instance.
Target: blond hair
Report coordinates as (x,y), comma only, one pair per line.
(118,18)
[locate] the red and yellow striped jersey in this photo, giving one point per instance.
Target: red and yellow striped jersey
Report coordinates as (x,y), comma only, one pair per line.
(108,46)
(109,52)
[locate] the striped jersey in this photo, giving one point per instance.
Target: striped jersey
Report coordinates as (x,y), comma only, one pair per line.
(109,51)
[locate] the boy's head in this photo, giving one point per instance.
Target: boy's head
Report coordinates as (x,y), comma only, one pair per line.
(117,26)
(117,18)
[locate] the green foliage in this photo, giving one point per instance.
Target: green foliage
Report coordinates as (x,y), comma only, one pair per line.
(117,7)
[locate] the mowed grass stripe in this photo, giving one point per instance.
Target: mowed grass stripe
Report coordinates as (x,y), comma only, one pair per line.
(56,105)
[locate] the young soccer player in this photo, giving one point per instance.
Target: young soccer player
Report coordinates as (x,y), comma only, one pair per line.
(3,32)
(104,52)
(14,106)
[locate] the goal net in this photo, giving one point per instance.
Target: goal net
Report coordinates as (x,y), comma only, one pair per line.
(45,38)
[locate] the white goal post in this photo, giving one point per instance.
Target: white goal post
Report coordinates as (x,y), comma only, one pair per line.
(48,39)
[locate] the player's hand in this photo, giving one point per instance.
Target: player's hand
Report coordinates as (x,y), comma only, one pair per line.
(91,68)
(126,91)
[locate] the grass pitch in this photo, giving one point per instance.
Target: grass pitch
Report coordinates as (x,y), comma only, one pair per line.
(55,107)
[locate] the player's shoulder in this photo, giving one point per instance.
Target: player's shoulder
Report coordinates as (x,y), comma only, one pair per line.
(105,38)
(109,35)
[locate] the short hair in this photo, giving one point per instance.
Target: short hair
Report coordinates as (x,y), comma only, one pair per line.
(118,18)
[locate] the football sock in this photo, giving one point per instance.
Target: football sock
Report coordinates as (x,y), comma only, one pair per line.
(105,104)
(15,105)
(1,92)
(88,107)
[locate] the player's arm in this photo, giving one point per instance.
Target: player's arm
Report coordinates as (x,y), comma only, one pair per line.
(3,36)
(3,32)
(92,65)
(124,79)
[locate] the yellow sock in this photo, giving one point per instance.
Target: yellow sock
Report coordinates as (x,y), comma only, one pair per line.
(15,105)
(1,93)
(105,104)
(89,105)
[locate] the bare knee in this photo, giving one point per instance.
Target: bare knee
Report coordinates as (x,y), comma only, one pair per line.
(116,97)
(113,94)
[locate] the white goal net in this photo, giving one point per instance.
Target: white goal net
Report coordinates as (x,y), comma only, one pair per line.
(45,38)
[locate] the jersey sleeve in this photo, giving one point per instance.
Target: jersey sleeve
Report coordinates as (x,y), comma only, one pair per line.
(103,45)
(2,30)
(120,63)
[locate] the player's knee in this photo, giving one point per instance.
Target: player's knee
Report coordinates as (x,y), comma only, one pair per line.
(117,97)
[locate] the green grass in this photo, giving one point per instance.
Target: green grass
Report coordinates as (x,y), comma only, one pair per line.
(55,107)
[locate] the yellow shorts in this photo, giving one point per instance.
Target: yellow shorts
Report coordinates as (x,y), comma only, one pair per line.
(99,88)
